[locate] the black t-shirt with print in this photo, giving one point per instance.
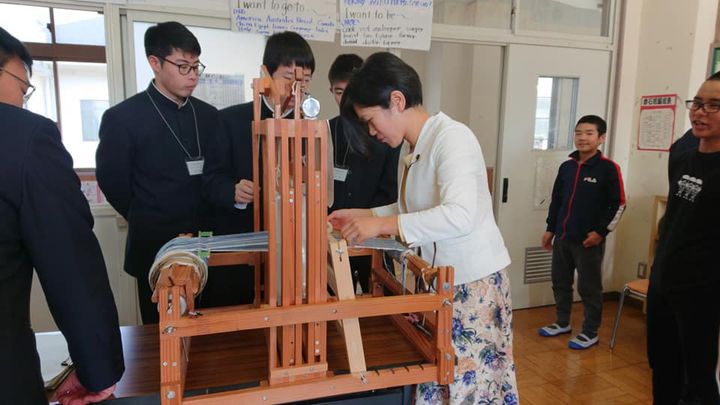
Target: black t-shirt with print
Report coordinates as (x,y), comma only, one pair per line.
(687,253)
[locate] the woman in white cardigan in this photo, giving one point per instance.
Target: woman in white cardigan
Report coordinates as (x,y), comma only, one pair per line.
(444,208)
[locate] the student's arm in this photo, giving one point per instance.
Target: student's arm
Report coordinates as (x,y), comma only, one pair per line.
(56,228)
(218,177)
(114,161)
(615,192)
(387,189)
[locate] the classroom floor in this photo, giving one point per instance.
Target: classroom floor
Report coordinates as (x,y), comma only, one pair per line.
(548,372)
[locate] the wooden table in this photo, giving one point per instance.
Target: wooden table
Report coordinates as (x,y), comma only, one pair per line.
(239,359)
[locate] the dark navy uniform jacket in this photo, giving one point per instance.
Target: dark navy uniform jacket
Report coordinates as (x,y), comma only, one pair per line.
(586,197)
(371,181)
(142,170)
(229,161)
(45,224)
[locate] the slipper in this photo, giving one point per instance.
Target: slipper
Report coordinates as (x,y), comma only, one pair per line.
(554,330)
(582,342)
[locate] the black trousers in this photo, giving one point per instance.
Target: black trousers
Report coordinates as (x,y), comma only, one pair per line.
(567,257)
(683,331)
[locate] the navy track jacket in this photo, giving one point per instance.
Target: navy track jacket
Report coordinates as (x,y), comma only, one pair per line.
(586,197)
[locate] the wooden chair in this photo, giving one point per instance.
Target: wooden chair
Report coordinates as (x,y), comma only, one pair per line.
(638,288)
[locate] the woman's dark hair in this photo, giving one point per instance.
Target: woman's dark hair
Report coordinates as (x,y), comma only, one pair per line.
(370,86)
(287,48)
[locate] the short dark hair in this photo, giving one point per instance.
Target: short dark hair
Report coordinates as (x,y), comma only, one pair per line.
(11,47)
(381,74)
(343,67)
(370,86)
(714,77)
(163,38)
(599,123)
(285,49)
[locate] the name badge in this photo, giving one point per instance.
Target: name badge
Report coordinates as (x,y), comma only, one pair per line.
(195,165)
(340,174)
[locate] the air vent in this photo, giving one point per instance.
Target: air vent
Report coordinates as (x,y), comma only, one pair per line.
(538,263)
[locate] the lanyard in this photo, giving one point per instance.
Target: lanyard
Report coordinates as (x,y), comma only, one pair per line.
(347,148)
(197,133)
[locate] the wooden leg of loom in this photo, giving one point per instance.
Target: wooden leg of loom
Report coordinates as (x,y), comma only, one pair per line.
(340,280)
(173,351)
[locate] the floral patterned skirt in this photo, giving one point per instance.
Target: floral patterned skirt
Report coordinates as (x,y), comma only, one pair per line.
(482,338)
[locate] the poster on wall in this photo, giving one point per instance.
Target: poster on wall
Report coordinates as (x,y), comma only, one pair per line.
(657,122)
(220,90)
(313,19)
(403,24)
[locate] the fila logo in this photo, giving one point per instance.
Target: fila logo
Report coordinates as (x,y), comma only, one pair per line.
(689,187)
(590,180)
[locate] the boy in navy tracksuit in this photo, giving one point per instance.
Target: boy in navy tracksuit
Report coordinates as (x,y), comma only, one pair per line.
(587,202)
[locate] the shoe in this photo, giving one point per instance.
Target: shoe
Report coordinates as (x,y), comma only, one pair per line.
(582,342)
(554,330)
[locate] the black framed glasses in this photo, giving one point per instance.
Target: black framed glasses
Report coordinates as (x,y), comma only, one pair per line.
(185,68)
(29,88)
(694,105)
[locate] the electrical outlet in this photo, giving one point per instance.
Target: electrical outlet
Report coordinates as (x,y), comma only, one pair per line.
(642,270)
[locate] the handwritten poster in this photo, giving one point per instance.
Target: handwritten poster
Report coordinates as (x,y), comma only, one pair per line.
(313,19)
(220,90)
(386,23)
(657,122)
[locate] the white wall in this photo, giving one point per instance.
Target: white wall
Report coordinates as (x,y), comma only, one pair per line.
(664,49)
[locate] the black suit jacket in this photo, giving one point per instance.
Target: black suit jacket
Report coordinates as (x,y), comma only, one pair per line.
(371,180)
(45,223)
(142,171)
(229,161)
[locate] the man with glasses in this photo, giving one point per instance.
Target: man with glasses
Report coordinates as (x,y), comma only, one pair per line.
(683,309)
(45,224)
(152,154)
(27,89)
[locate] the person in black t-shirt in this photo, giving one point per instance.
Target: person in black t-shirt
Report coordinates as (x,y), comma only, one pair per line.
(683,305)
(686,142)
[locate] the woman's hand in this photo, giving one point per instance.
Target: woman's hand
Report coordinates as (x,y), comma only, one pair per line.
(357,225)
(72,392)
(339,218)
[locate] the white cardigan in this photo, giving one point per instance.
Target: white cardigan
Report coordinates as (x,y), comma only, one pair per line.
(448,202)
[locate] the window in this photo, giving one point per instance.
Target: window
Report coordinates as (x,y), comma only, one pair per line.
(233,59)
(475,13)
(555,113)
(69,70)
(580,17)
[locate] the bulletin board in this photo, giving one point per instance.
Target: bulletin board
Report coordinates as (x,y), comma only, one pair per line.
(657,122)
(714,59)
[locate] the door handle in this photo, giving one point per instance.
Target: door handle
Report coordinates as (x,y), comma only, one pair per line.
(506,182)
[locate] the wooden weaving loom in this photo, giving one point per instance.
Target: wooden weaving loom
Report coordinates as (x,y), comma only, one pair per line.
(289,161)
